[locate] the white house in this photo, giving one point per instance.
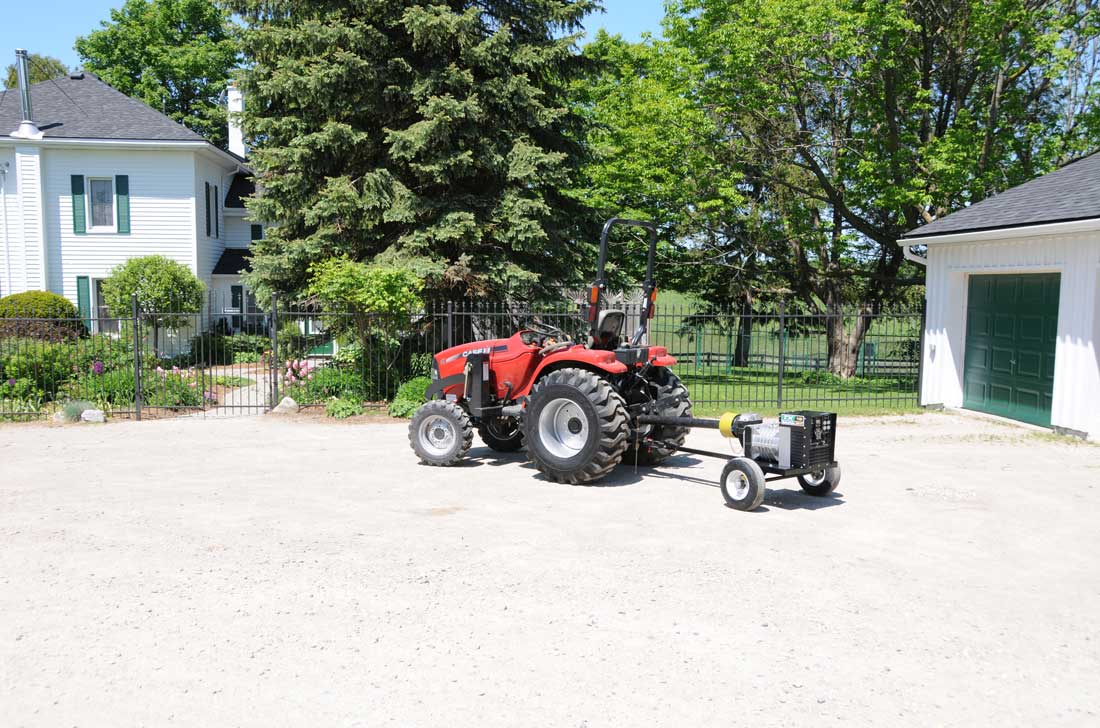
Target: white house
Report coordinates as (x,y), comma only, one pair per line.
(1013,303)
(90,177)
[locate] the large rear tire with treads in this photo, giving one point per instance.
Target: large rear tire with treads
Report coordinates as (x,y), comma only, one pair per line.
(667,385)
(575,426)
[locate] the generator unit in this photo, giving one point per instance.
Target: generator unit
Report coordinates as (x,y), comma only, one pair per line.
(799,440)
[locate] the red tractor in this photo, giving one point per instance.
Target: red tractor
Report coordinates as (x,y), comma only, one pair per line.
(574,405)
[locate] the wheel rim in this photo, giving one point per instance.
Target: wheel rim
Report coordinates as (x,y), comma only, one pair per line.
(738,485)
(503,428)
(563,428)
(437,435)
(815,479)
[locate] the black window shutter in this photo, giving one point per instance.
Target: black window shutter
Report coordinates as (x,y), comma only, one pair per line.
(206,196)
(217,222)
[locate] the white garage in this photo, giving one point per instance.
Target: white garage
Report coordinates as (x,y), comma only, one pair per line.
(1013,303)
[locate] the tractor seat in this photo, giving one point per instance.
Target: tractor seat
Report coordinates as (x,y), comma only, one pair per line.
(608,328)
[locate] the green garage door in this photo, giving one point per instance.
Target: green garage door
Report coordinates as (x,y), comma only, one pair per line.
(1011,329)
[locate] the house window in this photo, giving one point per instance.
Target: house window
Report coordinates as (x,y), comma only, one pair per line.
(257,232)
(104,322)
(101,203)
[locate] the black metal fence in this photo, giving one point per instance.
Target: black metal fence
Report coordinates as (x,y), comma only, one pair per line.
(236,356)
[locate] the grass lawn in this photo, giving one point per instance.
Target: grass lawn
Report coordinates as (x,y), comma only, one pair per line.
(714,392)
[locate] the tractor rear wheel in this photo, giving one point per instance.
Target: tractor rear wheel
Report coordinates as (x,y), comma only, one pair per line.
(440,432)
(574,426)
(667,385)
(502,434)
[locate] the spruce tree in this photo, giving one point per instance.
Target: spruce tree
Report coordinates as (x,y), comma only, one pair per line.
(435,132)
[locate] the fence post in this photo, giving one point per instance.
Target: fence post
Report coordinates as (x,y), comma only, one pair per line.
(782,352)
(450,323)
(134,311)
(274,351)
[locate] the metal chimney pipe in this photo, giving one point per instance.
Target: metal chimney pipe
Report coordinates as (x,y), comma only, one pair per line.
(24,83)
(27,128)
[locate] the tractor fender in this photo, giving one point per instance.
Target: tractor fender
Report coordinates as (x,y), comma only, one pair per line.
(601,362)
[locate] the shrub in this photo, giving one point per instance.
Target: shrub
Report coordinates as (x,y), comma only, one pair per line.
(820,377)
(61,317)
(37,304)
(342,408)
(215,347)
(410,395)
(108,389)
(22,388)
(312,385)
(48,365)
(72,409)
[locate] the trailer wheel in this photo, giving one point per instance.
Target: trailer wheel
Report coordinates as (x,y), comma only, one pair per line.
(502,434)
(743,484)
(440,433)
(667,385)
(821,483)
(574,426)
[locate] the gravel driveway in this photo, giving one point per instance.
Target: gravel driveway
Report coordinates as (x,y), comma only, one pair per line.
(265,571)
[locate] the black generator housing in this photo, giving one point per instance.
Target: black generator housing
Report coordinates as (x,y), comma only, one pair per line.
(802,441)
(813,437)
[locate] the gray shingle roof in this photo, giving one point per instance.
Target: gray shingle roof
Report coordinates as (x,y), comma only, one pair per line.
(1069,193)
(83,107)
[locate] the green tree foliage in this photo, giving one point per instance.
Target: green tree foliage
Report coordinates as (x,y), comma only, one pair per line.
(838,125)
(166,291)
(374,297)
(175,55)
(341,284)
(40,68)
(430,130)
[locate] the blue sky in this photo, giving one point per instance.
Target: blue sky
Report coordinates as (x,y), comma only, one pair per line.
(50,26)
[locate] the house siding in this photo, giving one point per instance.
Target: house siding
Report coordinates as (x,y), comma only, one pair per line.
(27,169)
(238,231)
(161,184)
(209,247)
(1076,402)
(13,254)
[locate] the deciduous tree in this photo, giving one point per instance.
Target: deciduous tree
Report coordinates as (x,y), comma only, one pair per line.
(175,55)
(40,68)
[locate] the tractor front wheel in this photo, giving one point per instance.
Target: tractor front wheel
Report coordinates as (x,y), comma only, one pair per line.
(440,433)
(575,426)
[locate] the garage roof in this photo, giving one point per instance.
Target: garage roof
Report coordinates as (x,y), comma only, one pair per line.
(1066,194)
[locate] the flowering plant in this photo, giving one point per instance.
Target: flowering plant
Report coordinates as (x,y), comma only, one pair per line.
(298,370)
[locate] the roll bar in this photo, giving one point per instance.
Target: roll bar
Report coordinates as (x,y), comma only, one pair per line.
(648,285)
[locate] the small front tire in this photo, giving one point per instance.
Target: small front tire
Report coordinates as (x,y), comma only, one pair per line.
(440,433)
(821,483)
(743,484)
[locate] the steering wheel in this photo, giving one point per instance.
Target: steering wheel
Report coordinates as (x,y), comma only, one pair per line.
(547,331)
